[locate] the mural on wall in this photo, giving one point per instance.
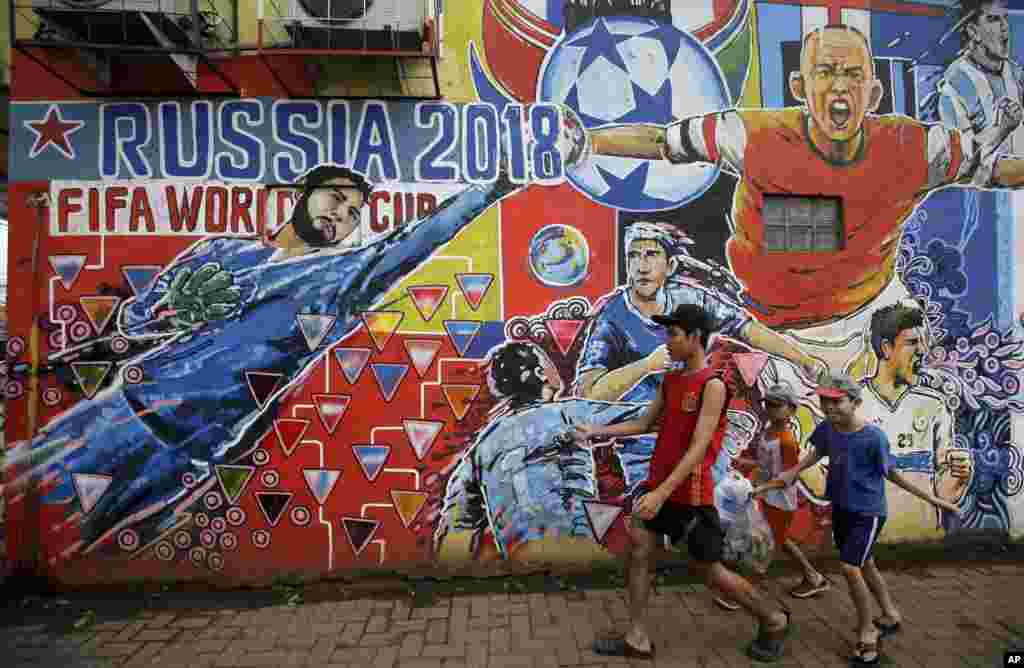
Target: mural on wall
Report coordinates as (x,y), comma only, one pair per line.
(368,328)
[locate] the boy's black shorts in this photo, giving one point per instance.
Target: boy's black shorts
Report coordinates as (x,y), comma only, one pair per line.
(699,525)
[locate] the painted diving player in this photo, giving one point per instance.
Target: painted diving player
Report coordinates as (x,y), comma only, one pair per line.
(226,307)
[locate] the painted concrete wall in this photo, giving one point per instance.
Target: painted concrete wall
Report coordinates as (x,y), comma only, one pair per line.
(225,390)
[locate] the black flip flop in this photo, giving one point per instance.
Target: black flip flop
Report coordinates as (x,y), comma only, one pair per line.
(768,645)
(619,647)
(886,629)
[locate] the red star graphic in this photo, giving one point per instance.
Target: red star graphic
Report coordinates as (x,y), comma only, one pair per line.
(53,130)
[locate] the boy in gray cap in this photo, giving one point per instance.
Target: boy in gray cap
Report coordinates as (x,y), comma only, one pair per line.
(858,456)
(778,450)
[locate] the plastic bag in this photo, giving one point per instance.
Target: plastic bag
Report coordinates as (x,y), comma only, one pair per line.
(732,494)
(748,536)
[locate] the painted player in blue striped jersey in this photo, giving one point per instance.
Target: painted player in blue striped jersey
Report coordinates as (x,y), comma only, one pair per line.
(525,480)
(975,82)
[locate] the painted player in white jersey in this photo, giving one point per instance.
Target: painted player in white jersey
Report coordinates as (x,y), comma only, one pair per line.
(917,421)
(983,75)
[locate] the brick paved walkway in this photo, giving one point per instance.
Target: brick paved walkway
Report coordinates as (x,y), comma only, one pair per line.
(964,616)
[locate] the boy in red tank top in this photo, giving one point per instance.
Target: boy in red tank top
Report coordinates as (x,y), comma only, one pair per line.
(679,498)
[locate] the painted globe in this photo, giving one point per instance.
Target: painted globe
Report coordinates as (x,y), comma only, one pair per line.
(559,256)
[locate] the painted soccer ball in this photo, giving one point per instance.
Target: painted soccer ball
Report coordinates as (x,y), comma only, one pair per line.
(627,70)
(559,256)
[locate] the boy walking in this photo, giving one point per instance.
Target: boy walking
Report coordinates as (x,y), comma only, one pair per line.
(858,455)
(775,451)
(679,492)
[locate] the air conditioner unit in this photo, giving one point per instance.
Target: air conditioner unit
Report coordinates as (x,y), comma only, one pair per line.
(157,23)
(357,24)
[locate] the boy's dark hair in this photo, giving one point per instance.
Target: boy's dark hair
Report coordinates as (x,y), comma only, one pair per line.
(579,12)
(513,372)
(690,318)
(888,321)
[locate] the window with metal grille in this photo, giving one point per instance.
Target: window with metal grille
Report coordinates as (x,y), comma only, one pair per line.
(802,224)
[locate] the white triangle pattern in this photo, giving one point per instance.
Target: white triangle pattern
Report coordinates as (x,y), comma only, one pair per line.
(421,435)
(90,488)
(321,482)
(315,328)
(601,516)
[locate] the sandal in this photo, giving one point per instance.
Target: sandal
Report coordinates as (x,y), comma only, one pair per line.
(726,604)
(768,645)
(886,629)
(866,648)
(807,589)
(619,647)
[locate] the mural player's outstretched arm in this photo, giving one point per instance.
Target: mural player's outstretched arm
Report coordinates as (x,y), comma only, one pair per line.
(642,424)
(770,341)
(719,137)
(386,262)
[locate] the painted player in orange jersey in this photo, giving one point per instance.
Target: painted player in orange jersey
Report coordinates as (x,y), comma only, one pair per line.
(881,167)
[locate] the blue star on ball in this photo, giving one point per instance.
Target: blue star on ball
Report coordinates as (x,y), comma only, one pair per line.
(600,43)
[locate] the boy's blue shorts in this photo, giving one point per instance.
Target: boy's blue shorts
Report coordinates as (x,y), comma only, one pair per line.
(855,534)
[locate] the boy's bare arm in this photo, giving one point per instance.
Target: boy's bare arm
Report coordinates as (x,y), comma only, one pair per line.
(642,425)
(897,479)
(809,460)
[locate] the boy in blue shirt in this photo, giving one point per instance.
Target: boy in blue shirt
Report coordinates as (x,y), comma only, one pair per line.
(858,455)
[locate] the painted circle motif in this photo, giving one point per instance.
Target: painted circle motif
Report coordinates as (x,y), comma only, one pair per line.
(66,313)
(218,524)
(207,538)
(270,478)
(188,479)
(213,500)
(301,516)
(56,339)
(128,540)
(261,538)
(235,516)
(202,520)
(197,555)
(260,457)
(13,389)
(80,331)
(51,396)
(216,561)
(15,346)
(182,539)
(119,344)
(164,551)
(559,256)
(1011,385)
(229,541)
(132,374)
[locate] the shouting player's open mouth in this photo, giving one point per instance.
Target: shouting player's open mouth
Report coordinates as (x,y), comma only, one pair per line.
(326,228)
(839,113)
